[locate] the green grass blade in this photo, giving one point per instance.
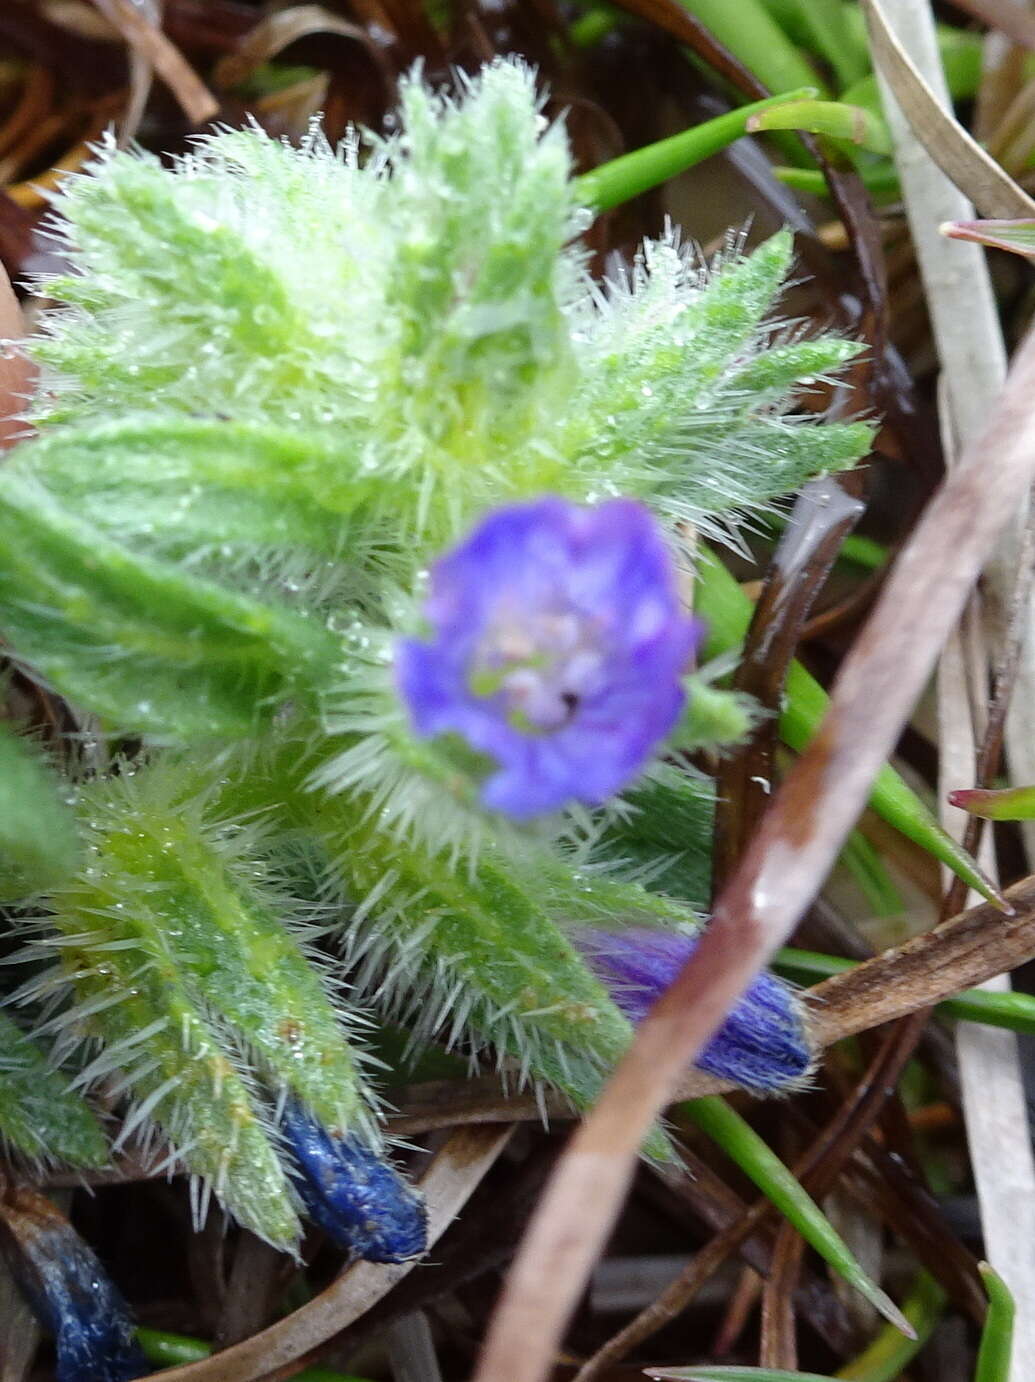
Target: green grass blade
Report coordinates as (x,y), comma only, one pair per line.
(889,1353)
(727,613)
(881,179)
(827,29)
(867,868)
(743,1146)
(626,177)
(835,119)
(1017,237)
(1014,1011)
(996,1349)
(167,1350)
(752,35)
(882,1361)
(709,1374)
(1005,804)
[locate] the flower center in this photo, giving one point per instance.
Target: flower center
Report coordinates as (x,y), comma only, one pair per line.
(542,664)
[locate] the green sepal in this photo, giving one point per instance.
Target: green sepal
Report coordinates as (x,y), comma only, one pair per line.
(212,897)
(140,641)
(38,841)
(471,949)
(713,718)
(155,1035)
(40,1117)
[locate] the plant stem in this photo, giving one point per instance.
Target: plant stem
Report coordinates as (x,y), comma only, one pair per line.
(836,120)
(626,177)
(1014,1011)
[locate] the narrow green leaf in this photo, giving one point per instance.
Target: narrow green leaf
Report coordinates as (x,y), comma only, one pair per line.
(788,365)
(743,1145)
(879,178)
(139,641)
(835,119)
(889,1353)
(827,28)
(866,866)
(1007,804)
(883,1361)
(626,177)
(1016,236)
(38,844)
(996,1349)
(727,613)
(751,35)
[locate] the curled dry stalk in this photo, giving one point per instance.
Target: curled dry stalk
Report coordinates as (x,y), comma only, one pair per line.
(781,873)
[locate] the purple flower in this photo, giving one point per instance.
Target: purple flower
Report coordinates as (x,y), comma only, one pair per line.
(557,649)
(762,1044)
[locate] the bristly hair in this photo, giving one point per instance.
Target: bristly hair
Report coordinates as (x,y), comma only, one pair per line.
(181,973)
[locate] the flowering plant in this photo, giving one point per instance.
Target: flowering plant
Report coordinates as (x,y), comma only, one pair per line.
(250,457)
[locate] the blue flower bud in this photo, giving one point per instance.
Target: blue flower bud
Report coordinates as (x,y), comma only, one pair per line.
(354,1194)
(70,1293)
(762,1045)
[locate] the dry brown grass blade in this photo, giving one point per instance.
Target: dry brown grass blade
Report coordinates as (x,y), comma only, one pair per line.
(450,1180)
(822,516)
(878,684)
(147,40)
(959,156)
(275,32)
(1009,18)
(16,373)
(959,954)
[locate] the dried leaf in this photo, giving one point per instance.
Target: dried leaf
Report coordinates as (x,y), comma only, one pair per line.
(1017,236)
(959,156)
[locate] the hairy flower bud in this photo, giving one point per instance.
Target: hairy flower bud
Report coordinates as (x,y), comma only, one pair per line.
(354,1193)
(70,1293)
(763,1043)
